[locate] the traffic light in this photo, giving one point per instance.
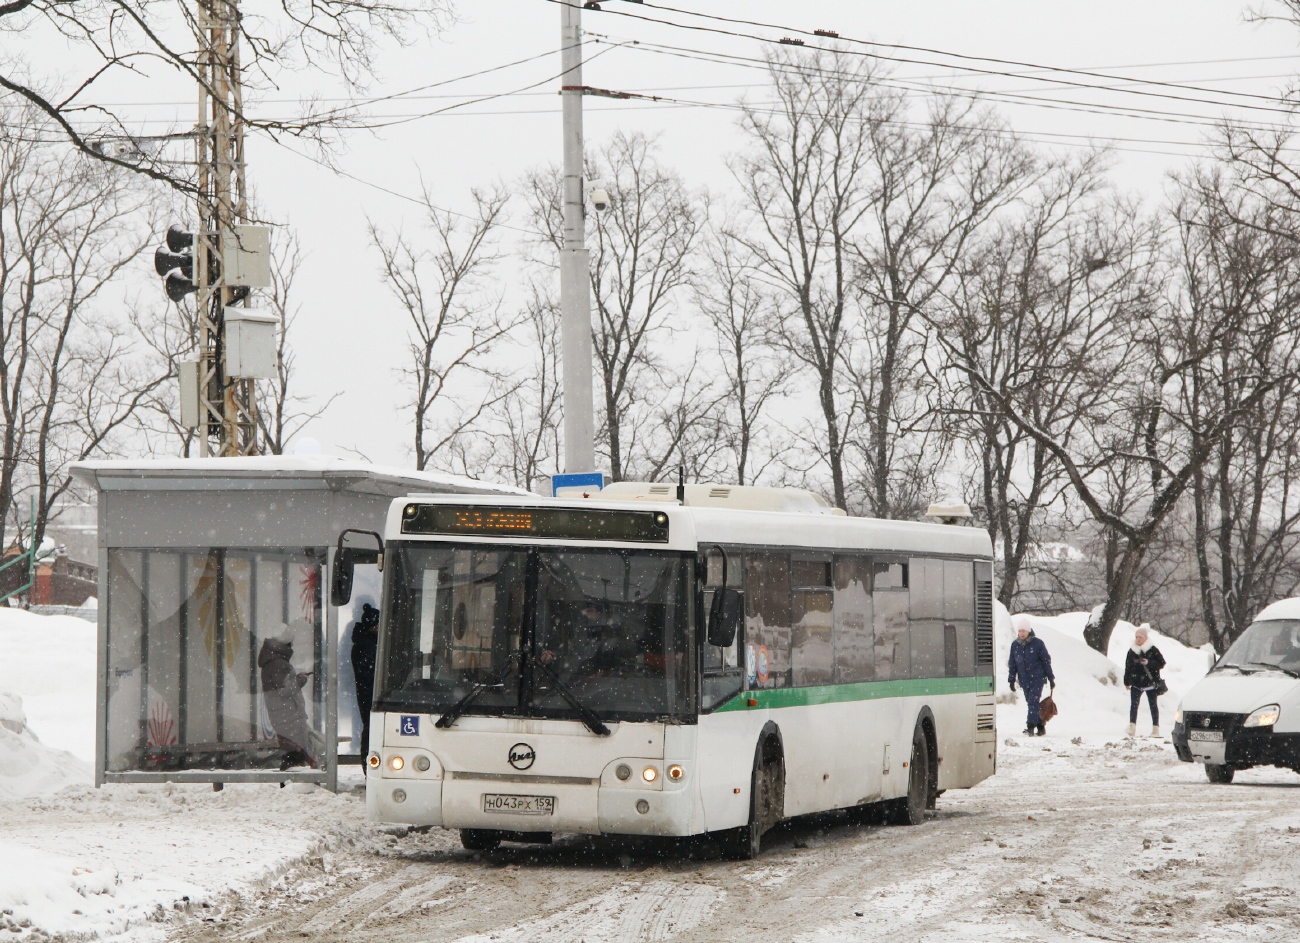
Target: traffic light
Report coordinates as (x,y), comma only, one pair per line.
(175,263)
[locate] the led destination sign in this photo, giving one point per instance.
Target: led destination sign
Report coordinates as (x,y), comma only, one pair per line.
(554,523)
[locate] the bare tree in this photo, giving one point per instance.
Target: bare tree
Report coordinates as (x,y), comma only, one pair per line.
(282,411)
(1240,265)
(859,218)
(110,41)
(456,319)
(69,383)
(807,186)
(640,266)
(735,303)
(1140,446)
(937,184)
(1024,292)
(524,444)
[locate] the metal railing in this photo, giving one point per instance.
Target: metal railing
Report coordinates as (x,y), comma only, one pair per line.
(28,557)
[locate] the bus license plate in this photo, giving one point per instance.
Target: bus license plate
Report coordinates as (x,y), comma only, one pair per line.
(519,805)
(1214,735)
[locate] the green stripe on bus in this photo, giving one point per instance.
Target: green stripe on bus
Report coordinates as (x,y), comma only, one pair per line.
(862,691)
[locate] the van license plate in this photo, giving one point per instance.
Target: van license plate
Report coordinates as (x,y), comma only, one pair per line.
(1215,735)
(519,805)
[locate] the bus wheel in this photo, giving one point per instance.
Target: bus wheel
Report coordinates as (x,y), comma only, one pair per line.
(1219,774)
(910,809)
(479,839)
(767,801)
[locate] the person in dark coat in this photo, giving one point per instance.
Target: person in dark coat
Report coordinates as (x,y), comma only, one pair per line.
(285,705)
(365,649)
(1142,667)
(1030,665)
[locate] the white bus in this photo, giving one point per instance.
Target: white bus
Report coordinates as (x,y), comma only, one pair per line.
(635,665)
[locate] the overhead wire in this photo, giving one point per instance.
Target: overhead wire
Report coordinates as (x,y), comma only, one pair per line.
(418,201)
(1035,70)
(1129,111)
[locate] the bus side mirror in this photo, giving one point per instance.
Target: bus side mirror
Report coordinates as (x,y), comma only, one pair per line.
(345,562)
(725,615)
(341,584)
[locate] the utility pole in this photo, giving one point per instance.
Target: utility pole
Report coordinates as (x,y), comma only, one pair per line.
(575,283)
(227,408)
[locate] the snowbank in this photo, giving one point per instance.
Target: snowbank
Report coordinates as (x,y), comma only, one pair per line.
(49,661)
(27,766)
(93,863)
(1090,686)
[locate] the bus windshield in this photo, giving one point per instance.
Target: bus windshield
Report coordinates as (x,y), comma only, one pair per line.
(1274,643)
(537,627)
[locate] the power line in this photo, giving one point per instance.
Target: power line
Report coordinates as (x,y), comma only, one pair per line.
(418,201)
(1033,69)
(1060,104)
(965,68)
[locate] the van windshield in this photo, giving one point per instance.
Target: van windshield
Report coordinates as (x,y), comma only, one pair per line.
(1271,644)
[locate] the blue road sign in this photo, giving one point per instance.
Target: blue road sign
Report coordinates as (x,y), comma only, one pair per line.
(587,481)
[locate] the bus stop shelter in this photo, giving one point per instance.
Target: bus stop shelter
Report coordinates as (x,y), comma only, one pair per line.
(220,659)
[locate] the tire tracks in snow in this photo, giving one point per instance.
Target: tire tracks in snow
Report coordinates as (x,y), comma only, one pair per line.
(1051,849)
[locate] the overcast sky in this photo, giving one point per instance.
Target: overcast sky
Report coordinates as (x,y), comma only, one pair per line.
(350,335)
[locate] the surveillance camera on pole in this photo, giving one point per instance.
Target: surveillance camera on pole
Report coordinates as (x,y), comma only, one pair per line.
(600,199)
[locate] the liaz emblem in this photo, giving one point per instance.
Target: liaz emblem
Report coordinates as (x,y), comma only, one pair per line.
(521,756)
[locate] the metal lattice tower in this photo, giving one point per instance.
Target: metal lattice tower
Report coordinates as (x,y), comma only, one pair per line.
(227,407)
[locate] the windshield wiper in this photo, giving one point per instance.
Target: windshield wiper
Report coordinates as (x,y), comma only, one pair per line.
(1266,664)
(493,681)
(589,717)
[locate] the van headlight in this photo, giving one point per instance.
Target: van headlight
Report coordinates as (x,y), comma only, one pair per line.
(1264,717)
(1178,715)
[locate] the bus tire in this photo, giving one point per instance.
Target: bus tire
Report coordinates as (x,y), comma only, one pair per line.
(910,808)
(766,802)
(1222,775)
(479,839)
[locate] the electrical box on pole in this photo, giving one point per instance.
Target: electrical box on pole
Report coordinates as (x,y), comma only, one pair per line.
(250,344)
(191,416)
(246,256)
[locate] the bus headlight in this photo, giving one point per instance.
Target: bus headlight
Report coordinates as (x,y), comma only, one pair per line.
(675,773)
(649,774)
(422,764)
(1264,717)
(623,772)
(373,761)
(395,763)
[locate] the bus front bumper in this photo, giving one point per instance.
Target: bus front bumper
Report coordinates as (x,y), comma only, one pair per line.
(585,809)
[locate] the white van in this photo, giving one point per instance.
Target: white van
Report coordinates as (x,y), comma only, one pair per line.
(1246,711)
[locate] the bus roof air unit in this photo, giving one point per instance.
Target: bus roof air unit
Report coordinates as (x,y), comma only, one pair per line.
(711,494)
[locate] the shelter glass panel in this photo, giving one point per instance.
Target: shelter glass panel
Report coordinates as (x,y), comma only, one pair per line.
(215,659)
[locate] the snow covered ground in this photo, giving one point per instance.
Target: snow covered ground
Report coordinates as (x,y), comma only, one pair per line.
(79,862)
(1081,835)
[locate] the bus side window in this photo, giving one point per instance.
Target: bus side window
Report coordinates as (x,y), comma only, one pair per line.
(722,667)
(890,604)
(767,618)
(926,613)
(854,631)
(959,611)
(811,657)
